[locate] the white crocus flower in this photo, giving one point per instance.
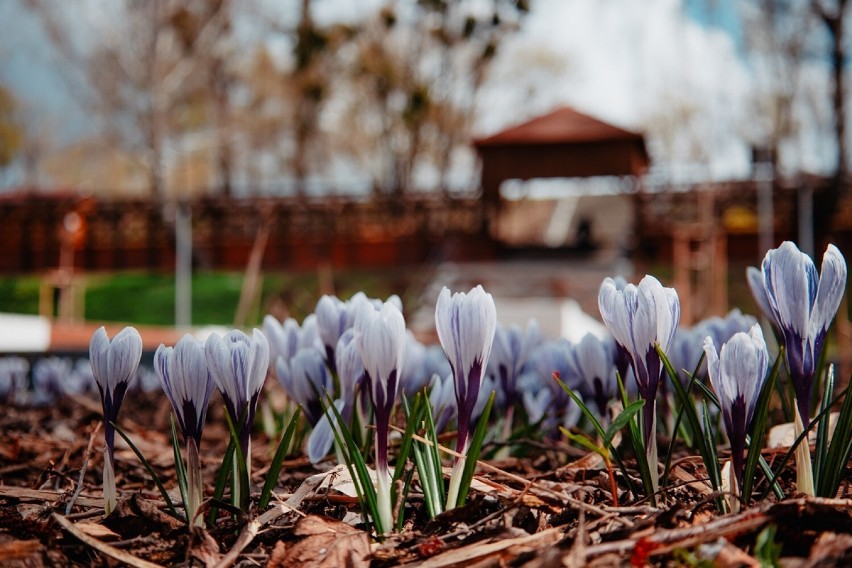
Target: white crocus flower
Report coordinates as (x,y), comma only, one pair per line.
(639,318)
(466,324)
(380,340)
(114,365)
(737,374)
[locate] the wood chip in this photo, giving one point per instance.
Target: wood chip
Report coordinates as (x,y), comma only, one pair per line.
(328,544)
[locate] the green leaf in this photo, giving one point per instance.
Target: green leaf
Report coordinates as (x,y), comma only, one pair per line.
(821,448)
(221,481)
(180,468)
(679,418)
(838,452)
(242,469)
(714,470)
(591,416)
(278,459)
(473,451)
(691,415)
(766,549)
(357,468)
(621,420)
(584,441)
(434,458)
(638,445)
(758,428)
(799,440)
(412,418)
(150,471)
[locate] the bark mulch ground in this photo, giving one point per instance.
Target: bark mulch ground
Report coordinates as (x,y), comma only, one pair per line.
(531,511)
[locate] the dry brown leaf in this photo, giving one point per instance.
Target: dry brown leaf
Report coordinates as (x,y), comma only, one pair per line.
(329,544)
(204,547)
(278,556)
(96,530)
(18,549)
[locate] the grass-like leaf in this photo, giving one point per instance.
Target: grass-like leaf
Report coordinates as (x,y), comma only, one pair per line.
(758,430)
(431,477)
(278,459)
(623,419)
(702,441)
(584,441)
(150,471)
(180,467)
(241,469)
(433,458)
(473,451)
(413,416)
(679,418)
(221,481)
(638,444)
(838,452)
(357,469)
(822,428)
(801,437)
(714,470)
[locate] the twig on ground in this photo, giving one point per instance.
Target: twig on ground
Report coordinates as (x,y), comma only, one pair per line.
(83,469)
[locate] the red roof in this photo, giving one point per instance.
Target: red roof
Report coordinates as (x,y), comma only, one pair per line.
(562,126)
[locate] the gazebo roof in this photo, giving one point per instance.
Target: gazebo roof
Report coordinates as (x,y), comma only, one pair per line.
(561,126)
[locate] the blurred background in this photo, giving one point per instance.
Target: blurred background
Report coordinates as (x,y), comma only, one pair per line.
(205,162)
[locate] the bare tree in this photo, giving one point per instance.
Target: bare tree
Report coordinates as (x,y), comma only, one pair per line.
(416,69)
(149,76)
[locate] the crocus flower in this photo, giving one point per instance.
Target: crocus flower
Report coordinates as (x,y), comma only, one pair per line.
(803,306)
(113,366)
(592,363)
(544,399)
(307,380)
(737,375)
(640,318)
(350,372)
(380,340)
(332,320)
(466,324)
(442,400)
(510,352)
(13,378)
(51,380)
(238,364)
(186,380)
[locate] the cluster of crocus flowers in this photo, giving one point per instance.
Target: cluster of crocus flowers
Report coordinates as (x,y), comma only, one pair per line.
(186,380)
(465,324)
(380,340)
(801,306)
(641,318)
(114,365)
(737,374)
